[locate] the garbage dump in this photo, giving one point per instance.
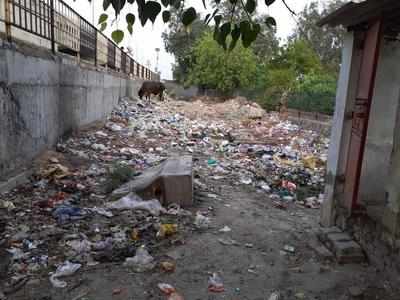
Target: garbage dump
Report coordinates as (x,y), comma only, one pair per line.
(67,219)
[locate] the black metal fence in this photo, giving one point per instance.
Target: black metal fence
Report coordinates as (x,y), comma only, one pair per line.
(68,32)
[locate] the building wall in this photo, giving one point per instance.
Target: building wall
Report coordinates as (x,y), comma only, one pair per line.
(381,127)
(341,129)
(44,96)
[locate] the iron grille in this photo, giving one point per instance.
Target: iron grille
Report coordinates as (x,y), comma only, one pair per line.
(33,16)
(88,40)
(111,55)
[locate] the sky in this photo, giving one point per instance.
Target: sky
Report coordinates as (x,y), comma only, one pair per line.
(145,40)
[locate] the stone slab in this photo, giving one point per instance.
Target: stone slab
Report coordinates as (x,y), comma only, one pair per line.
(346,250)
(320,250)
(169,182)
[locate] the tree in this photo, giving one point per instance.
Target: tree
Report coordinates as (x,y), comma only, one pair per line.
(266,44)
(287,70)
(315,92)
(246,30)
(326,41)
(179,41)
(224,71)
(228,10)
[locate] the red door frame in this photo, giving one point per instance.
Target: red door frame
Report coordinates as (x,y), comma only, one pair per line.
(361,112)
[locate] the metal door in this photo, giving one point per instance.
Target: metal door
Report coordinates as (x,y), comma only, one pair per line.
(361,112)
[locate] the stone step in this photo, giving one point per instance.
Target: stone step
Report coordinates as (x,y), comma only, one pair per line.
(346,250)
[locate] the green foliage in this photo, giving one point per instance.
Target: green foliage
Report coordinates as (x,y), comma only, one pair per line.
(300,57)
(315,92)
(117,36)
(117,175)
(179,41)
(233,13)
(326,41)
(221,70)
(288,76)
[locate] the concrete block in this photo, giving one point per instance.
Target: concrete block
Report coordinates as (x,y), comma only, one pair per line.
(324,231)
(342,245)
(348,252)
(320,250)
(170,182)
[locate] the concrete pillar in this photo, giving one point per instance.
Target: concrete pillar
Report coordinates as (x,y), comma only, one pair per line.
(341,127)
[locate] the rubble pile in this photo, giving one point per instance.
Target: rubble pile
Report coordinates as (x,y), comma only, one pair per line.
(65,220)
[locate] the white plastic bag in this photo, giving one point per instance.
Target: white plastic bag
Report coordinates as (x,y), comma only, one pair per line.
(201,222)
(66,269)
(133,201)
(141,262)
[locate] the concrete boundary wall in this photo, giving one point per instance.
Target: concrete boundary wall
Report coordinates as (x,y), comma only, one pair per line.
(43,96)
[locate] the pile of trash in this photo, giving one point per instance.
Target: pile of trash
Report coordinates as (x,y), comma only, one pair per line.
(65,220)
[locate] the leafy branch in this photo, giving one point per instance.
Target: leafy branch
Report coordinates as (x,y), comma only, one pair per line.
(247,30)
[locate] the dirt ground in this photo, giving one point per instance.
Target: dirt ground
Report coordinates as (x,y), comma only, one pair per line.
(251,258)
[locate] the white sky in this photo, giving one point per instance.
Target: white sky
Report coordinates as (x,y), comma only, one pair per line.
(145,39)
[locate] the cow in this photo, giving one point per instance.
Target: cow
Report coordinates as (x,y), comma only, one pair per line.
(152,87)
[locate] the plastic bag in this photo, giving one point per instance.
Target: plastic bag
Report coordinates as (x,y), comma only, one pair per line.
(215,284)
(201,222)
(274,296)
(65,213)
(141,262)
(133,201)
(66,269)
(166,288)
(80,247)
(170,291)
(167,230)
(175,296)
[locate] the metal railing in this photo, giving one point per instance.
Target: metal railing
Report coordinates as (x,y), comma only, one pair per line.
(68,32)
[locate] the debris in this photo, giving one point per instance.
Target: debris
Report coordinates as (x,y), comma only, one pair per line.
(215,283)
(201,222)
(211,162)
(228,242)
(167,230)
(175,296)
(134,202)
(300,295)
(170,291)
(7,205)
(166,288)
(66,269)
(141,262)
(289,185)
(246,181)
(55,172)
(67,213)
(279,205)
(80,247)
(312,162)
(289,249)
(101,211)
(168,266)
(225,229)
(270,155)
(275,296)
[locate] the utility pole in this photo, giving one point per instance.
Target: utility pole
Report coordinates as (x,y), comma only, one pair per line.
(157,58)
